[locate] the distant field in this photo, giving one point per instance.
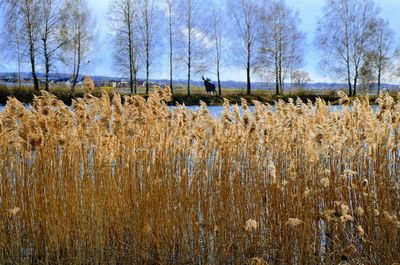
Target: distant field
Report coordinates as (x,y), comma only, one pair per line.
(200,90)
(26,94)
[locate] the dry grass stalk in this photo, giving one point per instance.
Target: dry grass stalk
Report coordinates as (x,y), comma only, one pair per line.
(130,181)
(88,84)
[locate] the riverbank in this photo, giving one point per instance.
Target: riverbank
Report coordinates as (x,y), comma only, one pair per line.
(236,99)
(26,95)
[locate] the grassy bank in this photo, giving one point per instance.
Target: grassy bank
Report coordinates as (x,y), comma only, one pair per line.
(26,95)
(106,182)
(236,98)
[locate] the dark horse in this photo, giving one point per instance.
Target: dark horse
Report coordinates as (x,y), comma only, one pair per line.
(210,87)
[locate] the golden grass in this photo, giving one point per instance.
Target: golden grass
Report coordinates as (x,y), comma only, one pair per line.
(138,183)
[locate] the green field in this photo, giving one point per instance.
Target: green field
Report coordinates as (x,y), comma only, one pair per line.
(26,95)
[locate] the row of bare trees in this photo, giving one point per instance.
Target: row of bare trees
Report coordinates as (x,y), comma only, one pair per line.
(357,43)
(202,36)
(258,34)
(47,33)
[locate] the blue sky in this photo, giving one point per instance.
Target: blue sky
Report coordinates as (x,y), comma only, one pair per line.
(309,11)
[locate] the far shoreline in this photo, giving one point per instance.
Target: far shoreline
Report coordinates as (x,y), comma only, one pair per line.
(26,96)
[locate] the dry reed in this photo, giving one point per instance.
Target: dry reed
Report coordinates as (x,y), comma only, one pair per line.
(130,181)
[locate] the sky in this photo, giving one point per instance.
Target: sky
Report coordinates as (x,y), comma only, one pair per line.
(309,11)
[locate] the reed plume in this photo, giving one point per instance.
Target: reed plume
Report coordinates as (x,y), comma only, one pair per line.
(127,180)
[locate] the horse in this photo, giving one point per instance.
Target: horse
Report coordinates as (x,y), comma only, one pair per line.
(210,87)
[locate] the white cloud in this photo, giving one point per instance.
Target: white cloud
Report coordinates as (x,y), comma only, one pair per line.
(199,36)
(203,38)
(7,67)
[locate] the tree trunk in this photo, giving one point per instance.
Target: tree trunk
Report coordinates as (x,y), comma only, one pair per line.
(75,81)
(355,85)
(78,66)
(170,70)
(219,82)
(170,50)
(277,90)
(47,73)
(280,69)
(189,29)
(147,51)
(349,80)
(147,69)
(33,64)
(34,76)
(130,46)
(218,56)
(379,79)
(280,82)
(73,74)
(188,77)
(147,74)
(135,81)
(19,63)
(32,49)
(131,79)
(248,69)
(46,63)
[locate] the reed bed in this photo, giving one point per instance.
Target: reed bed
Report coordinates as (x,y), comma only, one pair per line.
(130,181)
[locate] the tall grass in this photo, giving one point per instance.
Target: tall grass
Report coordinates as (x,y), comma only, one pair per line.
(130,181)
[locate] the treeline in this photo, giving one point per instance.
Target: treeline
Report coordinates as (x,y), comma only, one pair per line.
(202,36)
(46,33)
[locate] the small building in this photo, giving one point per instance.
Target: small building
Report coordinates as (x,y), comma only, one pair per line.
(107,83)
(122,84)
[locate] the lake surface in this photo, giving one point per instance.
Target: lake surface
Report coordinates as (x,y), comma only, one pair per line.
(216,111)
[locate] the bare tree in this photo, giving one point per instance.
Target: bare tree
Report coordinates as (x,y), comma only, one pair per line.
(77,32)
(217,26)
(344,34)
(266,74)
(194,50)
(367,73)
(11,38)
(52,19)
(125,44)
(383,50)
(148,26)
(282,42)
(246,17)
(22,24)
(171,4)
(189,17)
(301,78)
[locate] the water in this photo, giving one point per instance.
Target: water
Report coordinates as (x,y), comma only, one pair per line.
(7,84)
(216,111)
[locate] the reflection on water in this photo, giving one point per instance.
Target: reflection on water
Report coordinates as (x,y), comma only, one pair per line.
(216,111)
